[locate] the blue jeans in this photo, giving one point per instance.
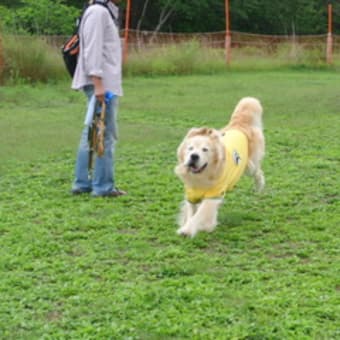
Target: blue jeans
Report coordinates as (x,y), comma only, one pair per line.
(101,181)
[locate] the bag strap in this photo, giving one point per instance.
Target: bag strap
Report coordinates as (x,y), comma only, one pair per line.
(105,4)
(86,6)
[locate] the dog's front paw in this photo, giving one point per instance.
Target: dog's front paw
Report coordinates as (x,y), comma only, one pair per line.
(186,232)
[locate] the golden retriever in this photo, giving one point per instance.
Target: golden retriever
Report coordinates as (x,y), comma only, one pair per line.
(210,163)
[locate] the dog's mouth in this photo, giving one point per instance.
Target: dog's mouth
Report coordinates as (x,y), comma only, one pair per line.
(195,169)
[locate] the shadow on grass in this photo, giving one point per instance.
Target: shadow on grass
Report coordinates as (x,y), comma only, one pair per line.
(237,219)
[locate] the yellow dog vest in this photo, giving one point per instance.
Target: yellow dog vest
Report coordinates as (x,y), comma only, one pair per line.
(236,152)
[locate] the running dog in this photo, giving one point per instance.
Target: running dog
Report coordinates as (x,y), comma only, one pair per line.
(211,162)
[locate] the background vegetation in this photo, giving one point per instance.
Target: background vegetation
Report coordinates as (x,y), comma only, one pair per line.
(82,268)
(31,59)
(255,16)
(26,53)
(38,17)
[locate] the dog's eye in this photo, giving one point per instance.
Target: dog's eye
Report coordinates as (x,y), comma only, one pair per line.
(205,149)
(190,148)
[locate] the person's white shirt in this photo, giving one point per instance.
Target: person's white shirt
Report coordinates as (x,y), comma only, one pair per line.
(100,52)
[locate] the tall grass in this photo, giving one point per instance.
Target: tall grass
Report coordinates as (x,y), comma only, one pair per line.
(32,59)
(179,59)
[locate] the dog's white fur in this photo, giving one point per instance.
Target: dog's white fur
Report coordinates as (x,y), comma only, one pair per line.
(207,144)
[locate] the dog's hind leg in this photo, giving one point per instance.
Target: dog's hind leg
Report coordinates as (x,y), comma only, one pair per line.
(257,152)
(259,180)
(256,172)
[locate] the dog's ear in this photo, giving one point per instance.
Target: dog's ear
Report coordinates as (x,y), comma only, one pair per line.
(213,133)
(202,131)
(180,152)
(218,154)
(193,132)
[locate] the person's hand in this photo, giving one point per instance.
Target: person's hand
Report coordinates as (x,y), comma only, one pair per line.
(99,91)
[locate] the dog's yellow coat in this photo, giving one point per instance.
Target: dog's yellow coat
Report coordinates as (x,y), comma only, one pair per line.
(236,153)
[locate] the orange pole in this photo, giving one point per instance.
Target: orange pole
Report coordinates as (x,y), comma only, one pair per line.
(329,36)
(330,23)
(228,35)
(126,33)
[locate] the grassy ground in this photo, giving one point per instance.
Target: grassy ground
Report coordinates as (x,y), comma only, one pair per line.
(82,268)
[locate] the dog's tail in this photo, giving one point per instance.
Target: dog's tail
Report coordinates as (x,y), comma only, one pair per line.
(248,112)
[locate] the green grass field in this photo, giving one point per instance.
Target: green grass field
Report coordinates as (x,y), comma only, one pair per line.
(84,268)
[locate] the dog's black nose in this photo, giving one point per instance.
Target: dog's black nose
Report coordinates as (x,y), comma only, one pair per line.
(194,157)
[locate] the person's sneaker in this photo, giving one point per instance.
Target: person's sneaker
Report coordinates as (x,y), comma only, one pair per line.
(113,193)
(78,191)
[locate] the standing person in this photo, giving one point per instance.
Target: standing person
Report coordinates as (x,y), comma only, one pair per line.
(98,72)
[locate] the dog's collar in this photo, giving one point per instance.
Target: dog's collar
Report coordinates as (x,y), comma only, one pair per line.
(199,200)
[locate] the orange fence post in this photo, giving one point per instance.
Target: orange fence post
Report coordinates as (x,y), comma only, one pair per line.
(329,36)
(126,33)
(1,58)
(227,36)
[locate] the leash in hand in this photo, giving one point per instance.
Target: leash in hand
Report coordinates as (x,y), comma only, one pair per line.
(97,133)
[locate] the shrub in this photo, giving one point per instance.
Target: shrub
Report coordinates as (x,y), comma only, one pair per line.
(39,17)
